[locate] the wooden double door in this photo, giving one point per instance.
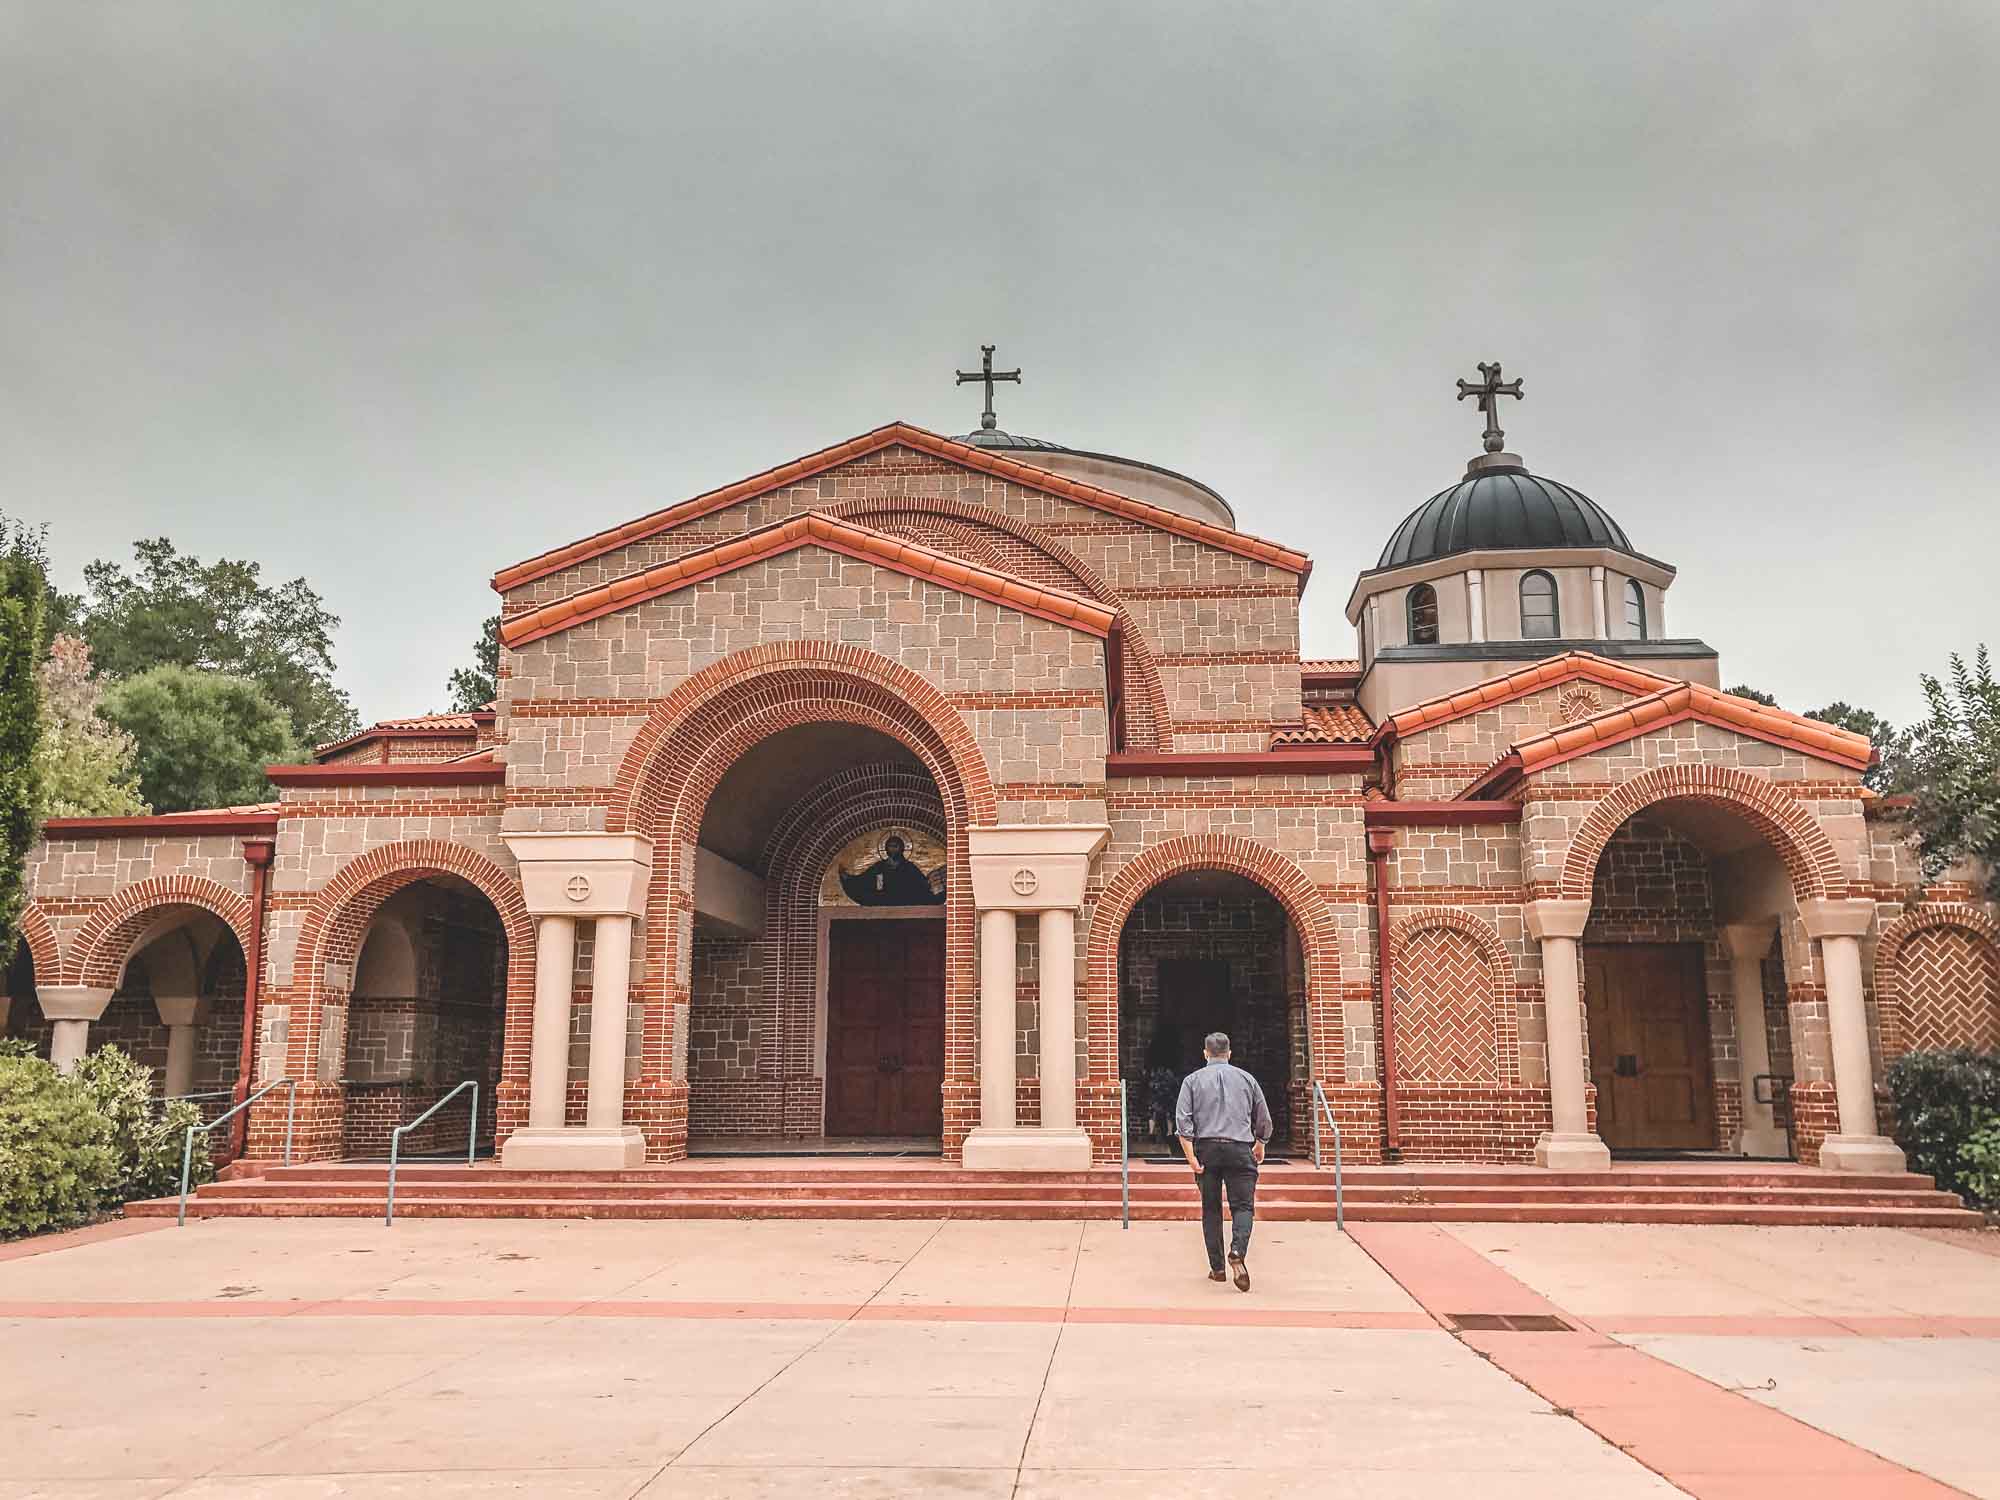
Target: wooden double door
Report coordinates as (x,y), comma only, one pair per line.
(1647,1005)
(885,1028)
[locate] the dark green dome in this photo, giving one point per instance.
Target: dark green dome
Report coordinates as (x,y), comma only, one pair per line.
(1500,508)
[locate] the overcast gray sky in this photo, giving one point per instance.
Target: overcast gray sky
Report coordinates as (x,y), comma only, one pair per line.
(394,295)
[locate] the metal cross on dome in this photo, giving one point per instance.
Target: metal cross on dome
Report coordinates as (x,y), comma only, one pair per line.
(986,374)
(1490,388)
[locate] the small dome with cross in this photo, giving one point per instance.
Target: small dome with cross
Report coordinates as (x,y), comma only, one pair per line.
(1501,506)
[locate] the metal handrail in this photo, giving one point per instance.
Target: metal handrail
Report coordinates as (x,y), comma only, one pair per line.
(396,1140)
(209,1094)
(1322,1108)
(1124,1160)
(187,1146)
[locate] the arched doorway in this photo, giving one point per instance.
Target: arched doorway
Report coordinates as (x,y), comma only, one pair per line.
(1690,962)
(1209,950)
(426,1011)
(817,959)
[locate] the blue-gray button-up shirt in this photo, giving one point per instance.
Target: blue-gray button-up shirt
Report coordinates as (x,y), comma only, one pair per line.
(1222,1102)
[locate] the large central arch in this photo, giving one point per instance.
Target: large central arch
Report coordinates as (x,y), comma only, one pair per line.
(673,767)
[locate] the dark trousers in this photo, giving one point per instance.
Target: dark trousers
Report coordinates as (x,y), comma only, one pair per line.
(1226,1166)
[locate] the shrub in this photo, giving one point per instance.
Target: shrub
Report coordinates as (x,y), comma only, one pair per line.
(1942,1099)
(1980,1158)
(58,1166)
(149,1139)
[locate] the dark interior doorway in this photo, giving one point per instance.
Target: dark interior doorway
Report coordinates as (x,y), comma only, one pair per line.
(885,1028)
(1649,1046)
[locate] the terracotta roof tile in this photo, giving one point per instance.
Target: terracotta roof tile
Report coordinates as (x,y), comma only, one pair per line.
(1325,724)
(1690,700)
(925,442)
(1564,668)
(811,529)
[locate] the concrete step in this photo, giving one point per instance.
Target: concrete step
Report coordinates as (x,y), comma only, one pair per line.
(716,1207)
(586,1187)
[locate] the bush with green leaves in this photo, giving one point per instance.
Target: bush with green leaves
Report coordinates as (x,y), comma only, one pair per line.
(59,1165)
(149,1138)
(1943,1099)
(1979,1157)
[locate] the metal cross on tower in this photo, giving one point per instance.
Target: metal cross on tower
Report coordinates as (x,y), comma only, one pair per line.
(987,375)
(1490,388)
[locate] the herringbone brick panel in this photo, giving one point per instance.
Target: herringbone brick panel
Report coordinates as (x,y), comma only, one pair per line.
(1951,989)
(1444,1010)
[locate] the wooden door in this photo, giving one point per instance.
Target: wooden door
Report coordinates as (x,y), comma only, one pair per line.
(885,1028)
(1649,1047)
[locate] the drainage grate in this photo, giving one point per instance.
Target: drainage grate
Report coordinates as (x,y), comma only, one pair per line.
(1508,1323)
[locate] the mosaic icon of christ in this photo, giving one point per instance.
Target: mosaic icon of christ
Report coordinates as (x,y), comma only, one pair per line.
(892,880)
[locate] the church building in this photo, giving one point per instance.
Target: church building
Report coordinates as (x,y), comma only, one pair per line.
(923,790)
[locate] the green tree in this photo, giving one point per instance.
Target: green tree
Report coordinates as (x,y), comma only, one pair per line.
(1755,695)
(1884,775)
(89,766)
(23,613)
(204,737)
(1952,768)
(176,610)
(476,686)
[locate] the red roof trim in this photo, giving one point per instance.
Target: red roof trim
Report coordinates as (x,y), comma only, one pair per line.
(545,563)
(1328,760)
(161,823)
(393,773)
(1568,667)
(1387,814)
(814,528)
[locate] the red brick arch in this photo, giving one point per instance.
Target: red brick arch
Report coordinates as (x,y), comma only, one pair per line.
(1026,552)
(1310,916)
(98,952)
(1419,1030)
(1791,829)
(1950,980)
(39,937)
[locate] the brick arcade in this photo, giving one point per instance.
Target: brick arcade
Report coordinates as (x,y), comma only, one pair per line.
(1516,883)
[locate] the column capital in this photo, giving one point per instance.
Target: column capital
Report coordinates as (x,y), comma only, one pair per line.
(1825,919)
(178,1010)
(1748,939)
(1032,866)
(1555,918)
(583,874)
(73,1002)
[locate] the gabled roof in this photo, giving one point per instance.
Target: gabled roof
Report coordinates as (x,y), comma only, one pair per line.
(996,464)
(1570,666)
(1325,724)
(814,528)
(435,726)
(1675,704)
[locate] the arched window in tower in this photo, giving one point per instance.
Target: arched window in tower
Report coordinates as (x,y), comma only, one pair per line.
(1423,615)
(1635,610)
(1541,620)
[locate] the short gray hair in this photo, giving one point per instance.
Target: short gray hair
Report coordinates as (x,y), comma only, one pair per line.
(1216,1044)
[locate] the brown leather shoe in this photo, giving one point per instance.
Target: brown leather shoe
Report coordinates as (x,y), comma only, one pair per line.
(1218,1275)
(1242,1274)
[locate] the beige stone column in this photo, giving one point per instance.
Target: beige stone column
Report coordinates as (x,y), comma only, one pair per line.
(1475,602)
(567,878)
(1599,614)
(997,965)
(1860,1147)
(548,1045)
(1571,1145)
(1038,868)
(72,1007)
(1747,943)
(178,1014)
(1058,1028)
(610,991)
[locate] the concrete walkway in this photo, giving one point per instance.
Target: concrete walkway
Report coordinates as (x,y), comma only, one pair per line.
(296,1358)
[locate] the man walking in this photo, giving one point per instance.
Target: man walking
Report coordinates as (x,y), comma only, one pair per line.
(1223,1123)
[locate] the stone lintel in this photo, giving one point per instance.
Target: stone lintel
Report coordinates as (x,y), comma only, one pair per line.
(73,1002)
(1556,918)
(1824,918)
(1033,866)
(583,874)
